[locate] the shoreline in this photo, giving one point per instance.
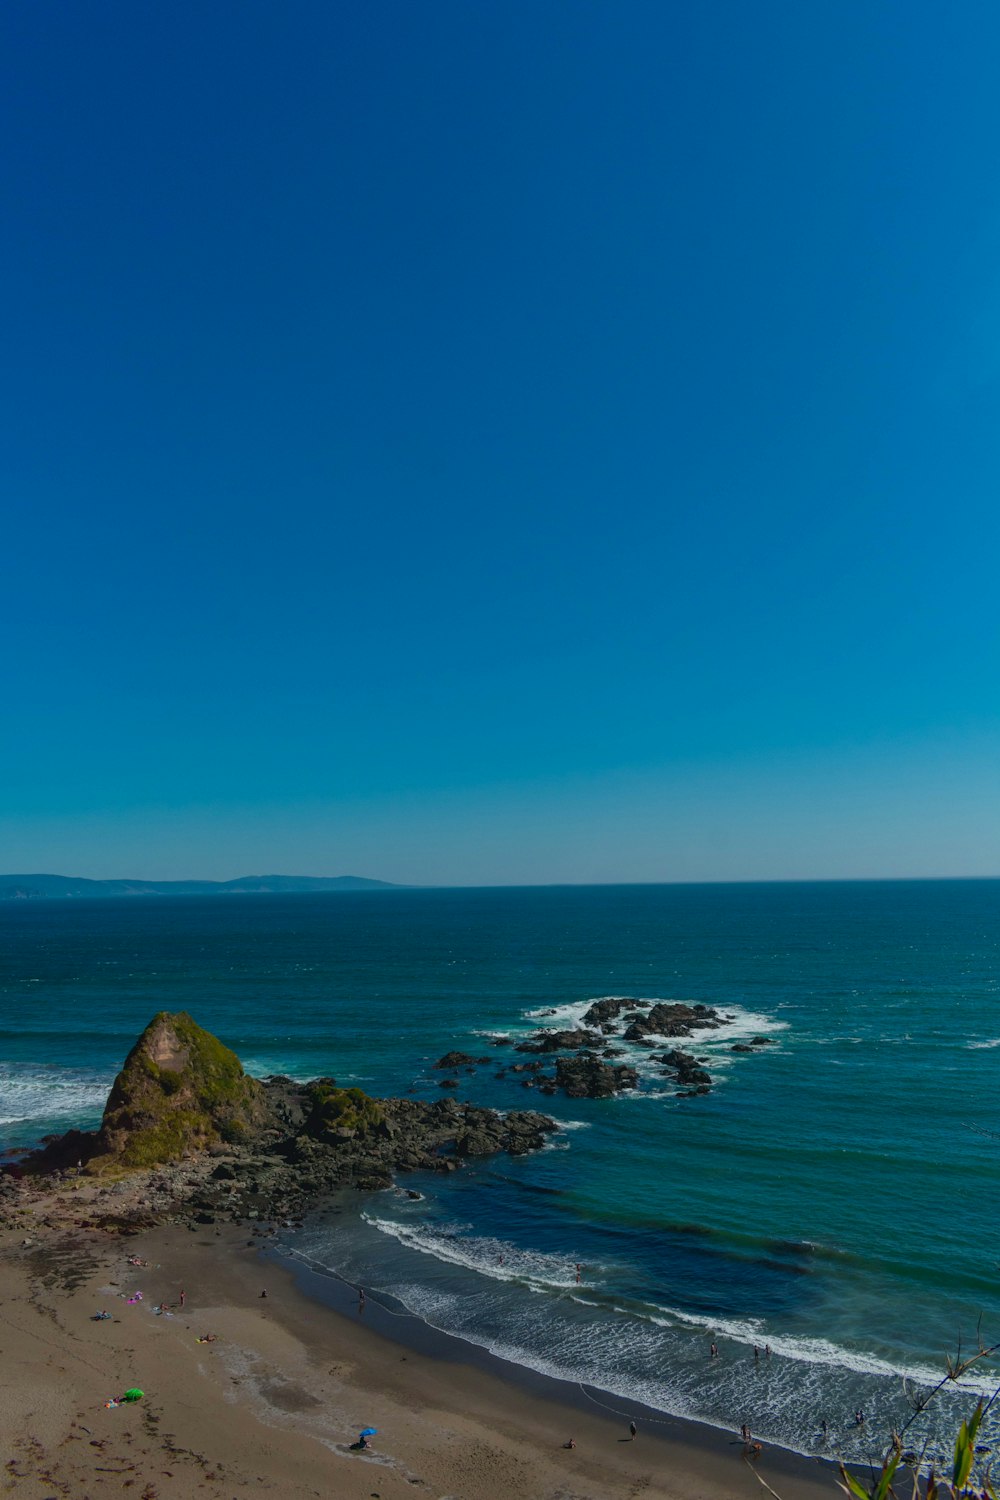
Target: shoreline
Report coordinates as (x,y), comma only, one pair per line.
(338,1296)
(276,1401)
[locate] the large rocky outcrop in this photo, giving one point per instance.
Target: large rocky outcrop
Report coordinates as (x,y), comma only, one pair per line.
(218,1145)
(180,1090)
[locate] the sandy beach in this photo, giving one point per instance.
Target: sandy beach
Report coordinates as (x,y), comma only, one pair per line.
(278,1397)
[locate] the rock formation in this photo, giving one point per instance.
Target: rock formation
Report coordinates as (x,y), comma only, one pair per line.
(586,1077)
(686,1070)
(206,1143)
(560,1041)
(180,1090)
(604,1011)
(452,1060)
(672,1018)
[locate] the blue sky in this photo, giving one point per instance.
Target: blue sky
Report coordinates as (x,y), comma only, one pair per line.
(500,442)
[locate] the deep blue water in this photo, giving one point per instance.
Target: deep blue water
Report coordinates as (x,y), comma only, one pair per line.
(835,1197)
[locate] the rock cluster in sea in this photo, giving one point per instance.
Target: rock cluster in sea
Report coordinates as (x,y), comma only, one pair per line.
(588,1074)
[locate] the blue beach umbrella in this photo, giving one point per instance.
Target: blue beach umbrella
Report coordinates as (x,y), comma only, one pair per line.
(369,1432)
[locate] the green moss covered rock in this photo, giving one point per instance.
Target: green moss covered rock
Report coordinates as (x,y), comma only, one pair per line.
(340,1114)
(179,1091)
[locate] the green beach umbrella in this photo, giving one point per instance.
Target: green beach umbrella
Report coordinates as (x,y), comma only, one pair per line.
(133,1395)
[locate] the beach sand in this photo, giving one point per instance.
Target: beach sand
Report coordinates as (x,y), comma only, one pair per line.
(276,1401)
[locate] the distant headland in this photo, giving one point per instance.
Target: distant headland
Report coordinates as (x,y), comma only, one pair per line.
(48,887)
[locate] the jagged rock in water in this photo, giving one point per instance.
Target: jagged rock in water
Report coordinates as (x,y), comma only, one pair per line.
(453,1060)
(560,1041)
(672,1018)
(586,1077)
(608,1010)
(685,1069)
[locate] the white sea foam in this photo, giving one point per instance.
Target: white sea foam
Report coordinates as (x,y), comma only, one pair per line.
(976,1046)
(559,1017)
(268,1067)
(498,1259)
(617,1361)
(736,1020)
(811,1351)
(644,1094)
(537,1271)
(42,1093)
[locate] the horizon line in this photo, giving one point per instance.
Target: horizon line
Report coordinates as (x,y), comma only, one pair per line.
(507,885)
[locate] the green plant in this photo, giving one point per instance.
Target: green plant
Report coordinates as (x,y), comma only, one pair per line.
(923,1482)
(339,1110)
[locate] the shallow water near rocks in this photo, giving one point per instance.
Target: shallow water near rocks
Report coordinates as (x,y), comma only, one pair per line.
(833,1197)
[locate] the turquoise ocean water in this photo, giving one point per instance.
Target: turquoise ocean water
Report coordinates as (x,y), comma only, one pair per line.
(837,1196)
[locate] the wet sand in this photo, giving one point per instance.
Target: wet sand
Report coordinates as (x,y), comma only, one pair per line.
(275,1402)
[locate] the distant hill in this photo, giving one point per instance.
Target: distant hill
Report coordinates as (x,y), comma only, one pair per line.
(46,887)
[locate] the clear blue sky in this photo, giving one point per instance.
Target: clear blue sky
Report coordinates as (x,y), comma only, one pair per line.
(500,442)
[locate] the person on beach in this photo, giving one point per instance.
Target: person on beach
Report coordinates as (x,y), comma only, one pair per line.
(579,1273)
(745,1433)
(713,1350)
(767,1351)
(632,1430)
(823,1428)
(570,1444)
(756,1354)
(361,1299)
(859,1418)
(263,1294)
(183,1296)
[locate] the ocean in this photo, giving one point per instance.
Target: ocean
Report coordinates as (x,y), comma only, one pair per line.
(834,1198)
